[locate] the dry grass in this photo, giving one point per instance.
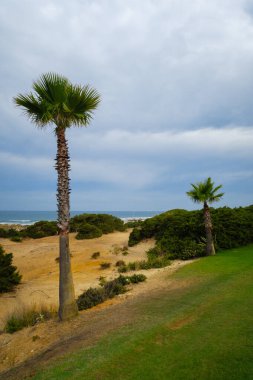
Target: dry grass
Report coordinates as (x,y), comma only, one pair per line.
(24,316)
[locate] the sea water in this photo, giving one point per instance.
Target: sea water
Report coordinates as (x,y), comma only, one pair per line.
(30,217)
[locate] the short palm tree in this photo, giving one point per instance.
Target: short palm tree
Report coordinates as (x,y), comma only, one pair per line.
(204,192)
(58,102)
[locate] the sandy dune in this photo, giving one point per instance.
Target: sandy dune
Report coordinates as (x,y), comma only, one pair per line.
(46,341)
(36,261)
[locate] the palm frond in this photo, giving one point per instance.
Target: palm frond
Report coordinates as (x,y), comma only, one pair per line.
(205,192)
(56,100)
(36,110)
(51,87)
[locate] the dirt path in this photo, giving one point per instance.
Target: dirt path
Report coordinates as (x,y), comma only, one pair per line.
(56,339)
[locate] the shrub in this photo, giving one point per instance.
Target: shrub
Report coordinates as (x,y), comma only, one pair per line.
(105,265)
(40,229)
(125,251)
(95,255)
(104,222)
(24,317)
(108,289)
(114,287)
(3,233)
(102,280)
(182,249)
(116,250)
(154,262)
(10,233)
(9,277)
(135,278)
(178,233)
(16,239)
(90,298)
(134,223)
(88,231)
(135,237)
(122,269)
(120,263)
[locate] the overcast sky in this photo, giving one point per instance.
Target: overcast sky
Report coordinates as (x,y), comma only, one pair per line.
(176,82)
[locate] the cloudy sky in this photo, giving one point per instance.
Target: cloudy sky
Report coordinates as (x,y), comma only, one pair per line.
(176,81)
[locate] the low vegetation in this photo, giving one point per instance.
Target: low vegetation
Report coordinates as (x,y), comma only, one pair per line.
(87,226)
(180,234)
(134,223)
(9,276)
(95,255)
(108,289)
(105,265)
(152,262)
(199,331)
(25,316)
(88,231)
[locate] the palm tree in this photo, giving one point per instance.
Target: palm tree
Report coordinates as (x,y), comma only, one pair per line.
(58,102)
(204,192)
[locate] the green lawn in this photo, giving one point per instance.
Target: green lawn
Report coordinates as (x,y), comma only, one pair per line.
(201,331)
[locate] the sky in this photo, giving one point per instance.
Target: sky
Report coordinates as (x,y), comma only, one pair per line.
(176,85)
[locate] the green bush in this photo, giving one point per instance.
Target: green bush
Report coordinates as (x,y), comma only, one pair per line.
(40,229)
(122,269)
(17,239)
(90,298)
(182,249)
(120,263)
(108,289)
(152,262)
(135,237)
(114,287)
(88,231)
(105,265)
(135,278)
(10,233)
(95,255)
(104,222)
(125,251)
(9,277)
(134,223)
(3,233)
(179,233)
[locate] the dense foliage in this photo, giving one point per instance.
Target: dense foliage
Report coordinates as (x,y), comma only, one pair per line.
(108,289)
(88,231)
(87,226)
(104,222)
(40,229)
(9,277)
(181,233)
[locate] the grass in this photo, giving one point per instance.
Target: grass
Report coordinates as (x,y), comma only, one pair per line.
(202,330)
(24,316)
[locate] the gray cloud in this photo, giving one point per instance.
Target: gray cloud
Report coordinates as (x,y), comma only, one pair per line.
(176,84)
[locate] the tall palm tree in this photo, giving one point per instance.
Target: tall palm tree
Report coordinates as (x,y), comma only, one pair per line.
(204,192)
(58,102)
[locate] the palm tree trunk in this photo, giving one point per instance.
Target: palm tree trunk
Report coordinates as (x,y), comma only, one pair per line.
(67,303)
(210,250)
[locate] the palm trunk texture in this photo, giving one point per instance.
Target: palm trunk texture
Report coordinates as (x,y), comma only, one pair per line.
(210,250)
(67,303)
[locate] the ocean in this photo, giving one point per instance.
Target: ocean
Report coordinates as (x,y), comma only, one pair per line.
(30,217)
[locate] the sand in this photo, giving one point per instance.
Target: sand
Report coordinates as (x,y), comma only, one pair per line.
(36,262)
